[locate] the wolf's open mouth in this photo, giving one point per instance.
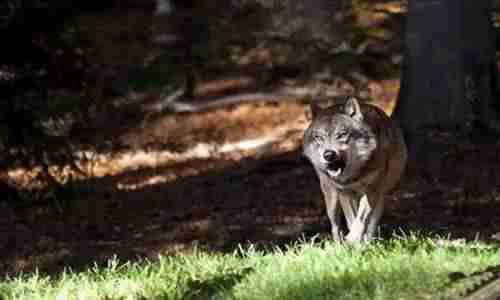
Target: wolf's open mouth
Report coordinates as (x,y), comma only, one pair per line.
(336,167)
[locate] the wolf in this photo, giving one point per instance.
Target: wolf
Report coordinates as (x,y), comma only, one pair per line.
(359,154)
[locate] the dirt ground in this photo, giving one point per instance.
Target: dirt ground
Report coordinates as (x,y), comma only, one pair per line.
(217,179)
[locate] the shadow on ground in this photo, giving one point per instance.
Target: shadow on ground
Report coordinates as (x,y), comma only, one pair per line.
(267,201)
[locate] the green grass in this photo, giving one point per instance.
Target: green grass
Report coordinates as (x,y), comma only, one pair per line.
(413,267)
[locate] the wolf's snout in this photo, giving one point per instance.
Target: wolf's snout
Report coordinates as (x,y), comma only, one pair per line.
(335,163)
(330,156)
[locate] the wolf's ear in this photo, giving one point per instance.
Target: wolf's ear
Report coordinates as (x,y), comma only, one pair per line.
(353,109)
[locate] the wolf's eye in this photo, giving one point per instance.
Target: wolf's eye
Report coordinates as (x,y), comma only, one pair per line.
(342,135)
(318,138)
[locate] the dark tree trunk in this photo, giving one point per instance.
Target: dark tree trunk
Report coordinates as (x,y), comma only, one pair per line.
(449,66)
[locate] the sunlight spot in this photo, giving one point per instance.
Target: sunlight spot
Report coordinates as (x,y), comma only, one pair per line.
(154,180)
(200,151)
(249,144)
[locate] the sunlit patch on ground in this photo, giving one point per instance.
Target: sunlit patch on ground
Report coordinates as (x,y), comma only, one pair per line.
(274,142)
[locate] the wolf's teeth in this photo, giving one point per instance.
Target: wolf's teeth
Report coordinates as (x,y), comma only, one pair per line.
(335,173)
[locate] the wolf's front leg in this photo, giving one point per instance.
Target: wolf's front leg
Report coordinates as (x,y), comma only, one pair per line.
(374,218)
(333,210)
(370,210)
(349,202)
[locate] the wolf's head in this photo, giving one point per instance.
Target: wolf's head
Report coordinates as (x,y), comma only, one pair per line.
(339,142)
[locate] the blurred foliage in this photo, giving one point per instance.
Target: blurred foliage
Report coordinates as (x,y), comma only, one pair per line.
(39,59)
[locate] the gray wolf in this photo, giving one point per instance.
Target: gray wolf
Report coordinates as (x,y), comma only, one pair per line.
(359,154)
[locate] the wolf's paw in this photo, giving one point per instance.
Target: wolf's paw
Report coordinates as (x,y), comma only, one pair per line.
(353,238)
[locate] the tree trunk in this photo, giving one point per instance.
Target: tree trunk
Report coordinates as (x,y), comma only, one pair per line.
(449,67)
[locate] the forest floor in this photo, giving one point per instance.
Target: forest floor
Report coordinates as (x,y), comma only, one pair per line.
(225,177)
